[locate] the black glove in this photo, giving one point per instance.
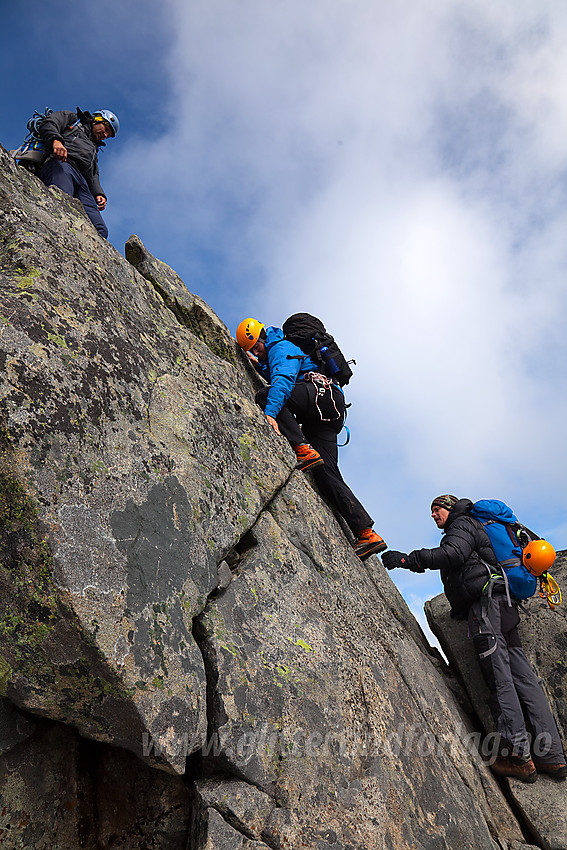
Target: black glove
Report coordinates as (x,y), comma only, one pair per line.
(392,559)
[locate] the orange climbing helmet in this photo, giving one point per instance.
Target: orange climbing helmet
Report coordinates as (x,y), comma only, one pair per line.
(248,333)
(538,556)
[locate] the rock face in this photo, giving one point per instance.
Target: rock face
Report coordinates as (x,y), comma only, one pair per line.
(58,790)
(184,629)
(134,445)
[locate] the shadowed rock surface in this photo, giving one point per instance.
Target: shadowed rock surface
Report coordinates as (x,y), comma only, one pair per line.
(190,654)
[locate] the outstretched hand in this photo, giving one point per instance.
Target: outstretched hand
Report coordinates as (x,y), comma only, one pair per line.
(274,425)
(392,559)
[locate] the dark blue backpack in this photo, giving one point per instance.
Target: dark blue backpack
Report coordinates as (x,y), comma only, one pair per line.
(32,154)
(508,538)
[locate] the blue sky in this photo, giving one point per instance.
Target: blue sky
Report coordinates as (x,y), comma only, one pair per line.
(399,169)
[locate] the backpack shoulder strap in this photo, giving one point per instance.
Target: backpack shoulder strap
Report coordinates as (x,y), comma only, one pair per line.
(510,528)
(521,534)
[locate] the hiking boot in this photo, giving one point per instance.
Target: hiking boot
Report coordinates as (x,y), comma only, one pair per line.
(307,457)
(525,771)
(368,543)
(556,771)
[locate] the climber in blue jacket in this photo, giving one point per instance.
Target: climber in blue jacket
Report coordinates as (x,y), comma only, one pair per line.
(296,394)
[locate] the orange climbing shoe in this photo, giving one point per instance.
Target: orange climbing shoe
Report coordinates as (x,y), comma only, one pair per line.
(307,457)
(368,543)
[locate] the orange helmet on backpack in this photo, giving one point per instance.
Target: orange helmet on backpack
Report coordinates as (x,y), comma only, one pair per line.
(538,556)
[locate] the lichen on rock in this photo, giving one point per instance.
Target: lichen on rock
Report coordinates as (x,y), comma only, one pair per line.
(171,586)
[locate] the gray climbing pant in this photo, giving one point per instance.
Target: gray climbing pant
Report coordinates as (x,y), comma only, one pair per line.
(517,700)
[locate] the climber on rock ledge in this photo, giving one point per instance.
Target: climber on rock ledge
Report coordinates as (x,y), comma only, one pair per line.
(73,139)
(475,589)
(298,394)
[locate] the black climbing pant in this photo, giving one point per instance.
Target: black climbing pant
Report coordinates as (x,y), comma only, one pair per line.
(302,420)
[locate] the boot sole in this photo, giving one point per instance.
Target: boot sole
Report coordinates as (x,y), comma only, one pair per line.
(372,549)
(311,464)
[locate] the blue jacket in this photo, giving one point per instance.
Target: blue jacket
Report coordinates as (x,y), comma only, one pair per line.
(285,365)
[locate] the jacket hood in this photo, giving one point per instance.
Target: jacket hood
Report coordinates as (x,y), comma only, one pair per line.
(273,335)
(462,508)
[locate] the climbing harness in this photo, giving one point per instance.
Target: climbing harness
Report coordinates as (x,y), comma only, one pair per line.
(494,580)
(550,590)
(323,385)
(548,587)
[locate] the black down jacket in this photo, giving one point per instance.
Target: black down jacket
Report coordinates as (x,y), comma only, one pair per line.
(81,148)
(459,558)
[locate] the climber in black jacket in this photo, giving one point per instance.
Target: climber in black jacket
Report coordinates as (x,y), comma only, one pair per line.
(475,588)
(73,140)
(461,558)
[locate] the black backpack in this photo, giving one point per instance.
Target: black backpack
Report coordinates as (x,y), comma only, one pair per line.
(309,334)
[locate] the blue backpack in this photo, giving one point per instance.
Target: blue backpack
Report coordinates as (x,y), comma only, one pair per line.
(508,538)
(32,154)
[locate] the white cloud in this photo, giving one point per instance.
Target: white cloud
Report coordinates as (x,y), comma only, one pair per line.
(398,169)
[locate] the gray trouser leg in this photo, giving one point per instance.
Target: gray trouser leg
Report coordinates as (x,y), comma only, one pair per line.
(546,743)
(512,682)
